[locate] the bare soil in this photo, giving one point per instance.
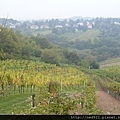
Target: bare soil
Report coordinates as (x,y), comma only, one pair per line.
(106,102)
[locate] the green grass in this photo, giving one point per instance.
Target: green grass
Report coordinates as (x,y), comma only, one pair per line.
(18,102)
(42,32)
(88,35)
(110,62)
(6,103)
(9,104)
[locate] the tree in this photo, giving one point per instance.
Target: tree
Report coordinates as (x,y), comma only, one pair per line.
(72,57)
(9,43)
(43,42)
(54,30)
(94,65)
(50,56)
(85,63)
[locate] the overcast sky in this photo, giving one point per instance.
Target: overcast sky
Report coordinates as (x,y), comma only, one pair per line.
(47,9)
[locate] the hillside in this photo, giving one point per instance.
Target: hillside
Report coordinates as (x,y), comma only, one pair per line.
(53,87)
(18,47)
(93,39)
(110,62)
(64,90)
(81,36)
(59,78)
(99,42)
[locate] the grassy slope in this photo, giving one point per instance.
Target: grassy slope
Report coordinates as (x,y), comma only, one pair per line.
(42,32)
(18,101)
(6,104)
(88,35)
(110,62)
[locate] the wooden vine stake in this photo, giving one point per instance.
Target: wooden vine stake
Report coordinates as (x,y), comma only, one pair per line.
(33,100)
(61,84)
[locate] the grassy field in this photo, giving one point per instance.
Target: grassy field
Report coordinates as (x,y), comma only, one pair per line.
(71,36)
(12,102)
(88,35)
(42,32)
(110,62)
(9,104)
(16,103)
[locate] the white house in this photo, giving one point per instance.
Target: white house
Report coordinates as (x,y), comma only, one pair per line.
(67,25)
(93,23)
(89,26)
(17,24)
(58,26)
(88,23)
(34,27)
(44,27)
(12,25)
(81,24)
(116,23)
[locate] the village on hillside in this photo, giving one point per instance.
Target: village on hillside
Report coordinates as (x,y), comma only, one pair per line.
(61,26)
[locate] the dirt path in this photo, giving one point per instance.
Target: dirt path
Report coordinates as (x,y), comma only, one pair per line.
(107,103)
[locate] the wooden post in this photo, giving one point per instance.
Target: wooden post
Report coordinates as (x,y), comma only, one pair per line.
(14,89)
(61,84)
(33,100)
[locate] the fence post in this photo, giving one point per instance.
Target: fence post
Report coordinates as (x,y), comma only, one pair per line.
(108,91)
(33,100)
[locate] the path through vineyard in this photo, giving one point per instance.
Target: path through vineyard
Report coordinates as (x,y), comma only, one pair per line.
(107,103)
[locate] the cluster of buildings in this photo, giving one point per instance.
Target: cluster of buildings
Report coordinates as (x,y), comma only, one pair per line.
(33,26)
(36,25)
